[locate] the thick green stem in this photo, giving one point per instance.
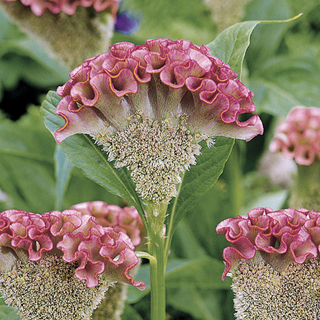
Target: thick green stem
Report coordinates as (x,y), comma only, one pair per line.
(156,217)
(157,279)
(233,175)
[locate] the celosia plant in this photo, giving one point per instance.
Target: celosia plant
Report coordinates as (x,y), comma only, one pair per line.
(150,105)
(65,253)
(273,263)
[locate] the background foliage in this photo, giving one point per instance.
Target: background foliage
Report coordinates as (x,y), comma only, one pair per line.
(281,67)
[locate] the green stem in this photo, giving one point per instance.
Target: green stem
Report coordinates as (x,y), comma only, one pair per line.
(233,175)
(157,279)
(156,217)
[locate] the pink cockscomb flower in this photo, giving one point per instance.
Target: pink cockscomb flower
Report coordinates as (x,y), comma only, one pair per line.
(150,105)
(38,7)
(298,137)
(65,255)
(273,263)
(126,220)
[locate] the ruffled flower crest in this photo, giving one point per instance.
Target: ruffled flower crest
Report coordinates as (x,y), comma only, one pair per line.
(126,219)
(299,135)
(162,79)
(74,237)
(277,237)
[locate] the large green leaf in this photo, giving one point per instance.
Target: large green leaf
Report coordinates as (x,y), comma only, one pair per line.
(231,44)
(85,154)
(285,82)
(199,179)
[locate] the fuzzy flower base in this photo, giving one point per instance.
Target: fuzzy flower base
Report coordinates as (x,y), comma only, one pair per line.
(261,293)
(111,307)
(60,296)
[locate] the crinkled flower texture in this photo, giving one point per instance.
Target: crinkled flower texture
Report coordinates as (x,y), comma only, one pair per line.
(150,105)
(76,237)
(126,220)
(277,237)
(298,137)
(38,7)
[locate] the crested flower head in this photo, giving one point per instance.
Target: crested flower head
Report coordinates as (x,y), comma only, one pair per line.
(74,237)
(278,237)
(38,7)
(150,105)
(126,220)
(298,137)
(273,263)
(60,264)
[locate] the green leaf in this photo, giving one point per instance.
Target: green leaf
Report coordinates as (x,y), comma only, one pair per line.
(134,294)
(26,163)
(86,155)
(198,180)
(201,273)
(63,169)
(285,82)
(129,313)
(231,44)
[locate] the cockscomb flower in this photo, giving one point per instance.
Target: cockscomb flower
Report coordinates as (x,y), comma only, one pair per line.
(273,263)
(126,219)
(64,255)
(38,7)
(298,137)
(150,105)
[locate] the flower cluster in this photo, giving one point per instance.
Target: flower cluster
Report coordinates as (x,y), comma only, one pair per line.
(126,220)
(150,105)
(76,238)
(38,7)
(277,237)
(298,137)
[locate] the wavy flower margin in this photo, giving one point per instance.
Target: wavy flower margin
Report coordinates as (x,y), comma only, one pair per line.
(162,79)
(75,237)
(126,219)
(298,137)
(278,237)
(38,7)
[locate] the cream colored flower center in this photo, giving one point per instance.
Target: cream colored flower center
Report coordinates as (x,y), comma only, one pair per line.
(49,289)
(263,293)
(156,153)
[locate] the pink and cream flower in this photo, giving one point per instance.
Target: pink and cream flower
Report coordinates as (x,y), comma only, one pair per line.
(74,237)
(126,219)
(298,137)
(150,105)
(273,263)
(277,237)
